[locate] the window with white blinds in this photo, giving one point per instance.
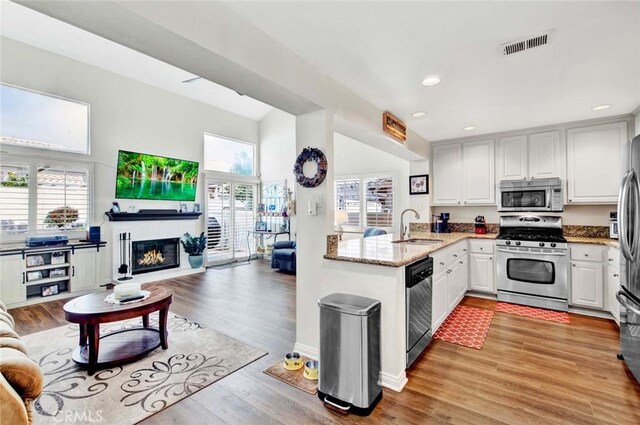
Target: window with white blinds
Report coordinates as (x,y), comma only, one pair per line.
(40,197)
(62,199)
(368,201)
(348,195)
(230,216)
(14,197)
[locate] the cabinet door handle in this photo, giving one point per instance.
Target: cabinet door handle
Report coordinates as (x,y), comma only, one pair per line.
(455,255)
(616,275)
(73,271)
(461,262)
(24,279)
(611,260)
(586,255)
(490,258)
(464,249)
(574,264)
(441,263)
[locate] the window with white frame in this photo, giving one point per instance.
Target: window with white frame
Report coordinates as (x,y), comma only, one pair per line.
(229,156)
(41,196)
(368,201)
(44,121)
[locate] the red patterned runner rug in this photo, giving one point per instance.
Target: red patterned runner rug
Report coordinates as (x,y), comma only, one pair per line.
(534,312)
(466,326)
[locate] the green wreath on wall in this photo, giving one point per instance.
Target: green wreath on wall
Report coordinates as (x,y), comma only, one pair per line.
(315,155)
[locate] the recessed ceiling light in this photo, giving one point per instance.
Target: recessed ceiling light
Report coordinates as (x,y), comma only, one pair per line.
(469,128)
(601,107)
(419,114)
(430,81)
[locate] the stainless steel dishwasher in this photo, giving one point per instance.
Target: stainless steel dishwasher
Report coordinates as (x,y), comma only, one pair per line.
(418,307)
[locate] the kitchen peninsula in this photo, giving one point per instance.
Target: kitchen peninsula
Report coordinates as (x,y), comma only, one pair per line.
(375,267)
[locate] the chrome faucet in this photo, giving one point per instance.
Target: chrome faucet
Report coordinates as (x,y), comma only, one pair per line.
(403,230)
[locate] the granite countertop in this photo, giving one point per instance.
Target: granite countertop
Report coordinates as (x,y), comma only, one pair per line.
(381,251)
(593,241)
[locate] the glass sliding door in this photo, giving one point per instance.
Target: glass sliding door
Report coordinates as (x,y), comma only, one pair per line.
(230,215)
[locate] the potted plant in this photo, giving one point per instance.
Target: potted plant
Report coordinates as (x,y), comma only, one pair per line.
(194,246)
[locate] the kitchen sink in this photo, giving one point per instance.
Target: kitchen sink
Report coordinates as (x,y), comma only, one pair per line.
(418,241)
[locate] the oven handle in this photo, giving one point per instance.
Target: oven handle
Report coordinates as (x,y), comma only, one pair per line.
(622,299)
(541,253)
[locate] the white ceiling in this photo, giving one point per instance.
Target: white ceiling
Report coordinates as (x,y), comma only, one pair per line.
(30,27)
(383,50)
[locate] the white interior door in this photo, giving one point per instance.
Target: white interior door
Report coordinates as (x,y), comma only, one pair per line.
(230,215)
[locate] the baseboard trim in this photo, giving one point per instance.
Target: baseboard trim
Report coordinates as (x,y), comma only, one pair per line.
(306,351)
(395,383)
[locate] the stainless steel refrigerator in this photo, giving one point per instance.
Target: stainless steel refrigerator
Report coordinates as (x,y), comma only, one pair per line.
(629,234)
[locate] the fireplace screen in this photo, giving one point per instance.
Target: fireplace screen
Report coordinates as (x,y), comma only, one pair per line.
(154,255)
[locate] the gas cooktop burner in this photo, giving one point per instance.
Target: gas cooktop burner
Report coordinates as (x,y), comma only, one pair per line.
(537,237)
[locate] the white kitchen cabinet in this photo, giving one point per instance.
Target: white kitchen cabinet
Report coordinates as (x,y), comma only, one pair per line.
(447,175)
(85,270)
(439,299)
(479,173)
(462,279)
(546,155)
(12,279)
(482,273)
(593,163)
(452,287)
(587,286)
(512,158)
(613,282)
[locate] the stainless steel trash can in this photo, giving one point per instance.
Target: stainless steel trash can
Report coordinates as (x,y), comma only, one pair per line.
(349,370)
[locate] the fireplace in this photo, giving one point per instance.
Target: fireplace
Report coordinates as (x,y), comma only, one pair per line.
(154,255)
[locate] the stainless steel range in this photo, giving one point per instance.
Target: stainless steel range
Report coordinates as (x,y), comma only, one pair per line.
(532,262)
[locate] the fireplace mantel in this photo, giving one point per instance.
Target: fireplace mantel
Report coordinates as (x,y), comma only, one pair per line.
(146,216)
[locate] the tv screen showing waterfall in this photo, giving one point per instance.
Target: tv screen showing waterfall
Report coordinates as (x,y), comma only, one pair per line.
(142,176)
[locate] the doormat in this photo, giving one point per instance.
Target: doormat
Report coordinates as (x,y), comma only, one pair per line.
(295,378)
(534,312)
(466,326)
(196,358)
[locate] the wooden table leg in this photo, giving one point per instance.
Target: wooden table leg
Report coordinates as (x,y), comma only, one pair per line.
(83,335)
(145,321)
(94,345)
(164,313)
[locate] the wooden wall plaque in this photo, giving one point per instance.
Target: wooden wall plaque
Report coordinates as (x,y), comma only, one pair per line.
(394,127)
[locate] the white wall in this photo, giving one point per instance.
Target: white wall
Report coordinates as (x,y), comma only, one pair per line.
(354,157)
(277,151)
(125,114)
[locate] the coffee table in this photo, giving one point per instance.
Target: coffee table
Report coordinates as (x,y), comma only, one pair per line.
(123,345)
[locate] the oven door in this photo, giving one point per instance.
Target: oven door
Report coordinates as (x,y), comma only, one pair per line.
(530,199)
(533,271)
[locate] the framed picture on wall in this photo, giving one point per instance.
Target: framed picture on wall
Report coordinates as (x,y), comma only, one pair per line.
(419,185)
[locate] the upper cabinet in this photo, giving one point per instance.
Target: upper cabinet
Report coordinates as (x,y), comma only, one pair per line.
(593,163)
(447,175)
(512,158)
(478,178)
(537,156)
(464,174)
(546,155)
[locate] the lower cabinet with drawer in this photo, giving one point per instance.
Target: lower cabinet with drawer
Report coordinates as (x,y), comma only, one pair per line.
(450,281)
(613,282)
(482,268)
(587,276)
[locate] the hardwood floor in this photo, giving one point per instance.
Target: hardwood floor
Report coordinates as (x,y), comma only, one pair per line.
(529,371)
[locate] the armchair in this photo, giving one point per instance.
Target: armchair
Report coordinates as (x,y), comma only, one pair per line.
(283,256)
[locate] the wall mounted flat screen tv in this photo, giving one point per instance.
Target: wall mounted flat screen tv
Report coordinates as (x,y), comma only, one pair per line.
(143,176)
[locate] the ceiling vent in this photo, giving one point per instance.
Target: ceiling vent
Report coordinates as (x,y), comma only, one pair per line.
(526,43)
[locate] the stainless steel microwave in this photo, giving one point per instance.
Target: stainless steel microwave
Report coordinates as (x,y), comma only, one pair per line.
(531,195)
